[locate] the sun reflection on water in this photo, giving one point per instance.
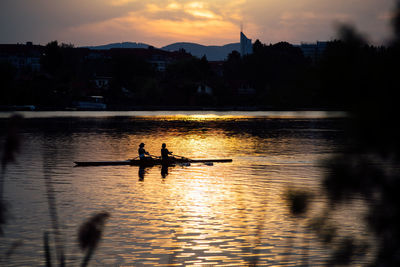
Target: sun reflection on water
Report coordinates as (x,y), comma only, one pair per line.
(222,214)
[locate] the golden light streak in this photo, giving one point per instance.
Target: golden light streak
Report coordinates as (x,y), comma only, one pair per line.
(173,6)
(193,22)
(185,29)
(204,117)
(202,14)
(196,5)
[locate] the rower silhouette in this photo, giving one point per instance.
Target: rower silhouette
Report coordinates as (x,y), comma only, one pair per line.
(142,152)
(165,152)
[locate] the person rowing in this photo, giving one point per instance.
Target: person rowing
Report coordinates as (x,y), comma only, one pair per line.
(165,152)
(142,152)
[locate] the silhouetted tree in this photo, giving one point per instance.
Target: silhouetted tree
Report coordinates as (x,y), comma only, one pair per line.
(182,78)
(257,47)
(232,66)
(7,76)
(52,58)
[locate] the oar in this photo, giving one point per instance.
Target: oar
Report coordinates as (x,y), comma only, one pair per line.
(181,156)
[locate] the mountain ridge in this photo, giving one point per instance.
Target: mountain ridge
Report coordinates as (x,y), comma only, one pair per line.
(212,52)
(118,45)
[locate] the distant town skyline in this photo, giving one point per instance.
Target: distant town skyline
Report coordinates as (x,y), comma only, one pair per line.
(162,22)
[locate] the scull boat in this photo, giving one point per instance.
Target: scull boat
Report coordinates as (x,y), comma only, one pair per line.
(148,162)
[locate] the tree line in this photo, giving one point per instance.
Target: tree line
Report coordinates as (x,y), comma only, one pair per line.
(275,76)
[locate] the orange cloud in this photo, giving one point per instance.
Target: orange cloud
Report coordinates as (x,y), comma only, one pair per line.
(194,21)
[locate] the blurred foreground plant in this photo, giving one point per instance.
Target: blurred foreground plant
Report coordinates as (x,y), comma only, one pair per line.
(369,166)
(90,232)
(10,149)
(298,201)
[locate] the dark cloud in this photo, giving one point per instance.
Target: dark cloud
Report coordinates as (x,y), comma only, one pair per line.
(311,20)
(43,20)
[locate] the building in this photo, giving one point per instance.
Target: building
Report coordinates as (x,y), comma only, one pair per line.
(313,50)
(204,89)
(217,67)
(246,46)
(158,58)
(101,82)
(90,103)
(22,56)
(159,62)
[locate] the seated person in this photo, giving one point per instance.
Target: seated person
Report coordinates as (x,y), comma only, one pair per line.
(164,152)
(142,152)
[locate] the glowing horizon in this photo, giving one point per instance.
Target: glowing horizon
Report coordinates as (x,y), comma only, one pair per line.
(162,22)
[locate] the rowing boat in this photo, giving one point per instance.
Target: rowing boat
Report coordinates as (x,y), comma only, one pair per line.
(148,162)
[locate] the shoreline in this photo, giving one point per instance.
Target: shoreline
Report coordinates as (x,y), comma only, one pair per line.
(199,114)
(169,108)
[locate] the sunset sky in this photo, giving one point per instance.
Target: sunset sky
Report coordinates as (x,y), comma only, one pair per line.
(208,22)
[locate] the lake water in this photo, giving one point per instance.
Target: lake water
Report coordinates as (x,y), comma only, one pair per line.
(224,214)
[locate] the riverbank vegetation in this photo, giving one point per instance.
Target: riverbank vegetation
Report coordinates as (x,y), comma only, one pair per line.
(275,76)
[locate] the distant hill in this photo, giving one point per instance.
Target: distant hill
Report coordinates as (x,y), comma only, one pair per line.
(119,45)
(212,52)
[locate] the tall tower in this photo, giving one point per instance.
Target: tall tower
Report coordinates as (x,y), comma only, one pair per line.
(246,47)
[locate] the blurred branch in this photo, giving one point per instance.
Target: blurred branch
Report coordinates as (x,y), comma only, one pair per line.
(90,233)
(47,249)
(396,23)
(13,142)
(51,200)
(298,201)
(11,148)
(351,36)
